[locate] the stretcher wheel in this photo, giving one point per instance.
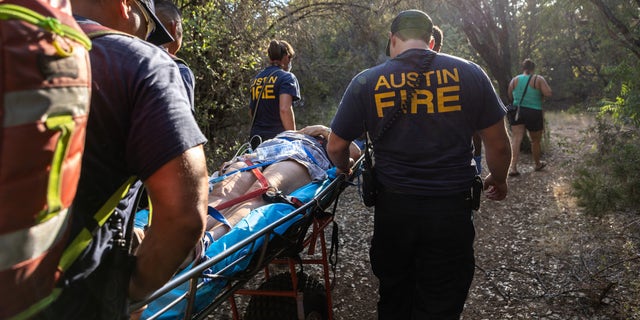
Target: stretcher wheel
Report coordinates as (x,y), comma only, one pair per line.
(284,308)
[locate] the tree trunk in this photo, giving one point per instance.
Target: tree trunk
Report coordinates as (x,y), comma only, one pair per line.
(490,36)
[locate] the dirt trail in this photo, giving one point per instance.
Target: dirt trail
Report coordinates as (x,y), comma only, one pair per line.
(537,255)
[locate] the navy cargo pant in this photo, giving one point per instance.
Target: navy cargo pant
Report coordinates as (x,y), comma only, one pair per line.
(422,254)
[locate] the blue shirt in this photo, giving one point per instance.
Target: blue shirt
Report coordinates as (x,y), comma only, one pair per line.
(266,89)
(428,150)
(189,81)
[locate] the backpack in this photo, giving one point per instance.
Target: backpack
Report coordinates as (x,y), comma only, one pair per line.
(46,89)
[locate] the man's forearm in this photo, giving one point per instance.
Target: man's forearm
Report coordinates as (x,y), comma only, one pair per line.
(341,160)
(497,150)
(498,160)
(160,255)
(338,151)
(178,191)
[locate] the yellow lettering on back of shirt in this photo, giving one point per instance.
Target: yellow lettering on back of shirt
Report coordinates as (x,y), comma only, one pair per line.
(384,100)
(422,97)
(263,92)
(443,98)
(446,83)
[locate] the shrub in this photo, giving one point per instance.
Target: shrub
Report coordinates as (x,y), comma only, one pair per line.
(609,178)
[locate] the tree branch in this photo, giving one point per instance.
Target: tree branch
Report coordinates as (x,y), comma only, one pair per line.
(628,39)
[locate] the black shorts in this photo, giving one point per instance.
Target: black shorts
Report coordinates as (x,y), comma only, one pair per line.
(531,118)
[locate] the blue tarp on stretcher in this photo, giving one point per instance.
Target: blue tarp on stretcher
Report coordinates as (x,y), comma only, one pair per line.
(255,221)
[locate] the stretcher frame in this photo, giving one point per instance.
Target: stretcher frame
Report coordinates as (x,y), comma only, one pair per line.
(293,241)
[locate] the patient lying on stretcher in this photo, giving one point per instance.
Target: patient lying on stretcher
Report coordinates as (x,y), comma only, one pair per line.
(303,160)
(277,167)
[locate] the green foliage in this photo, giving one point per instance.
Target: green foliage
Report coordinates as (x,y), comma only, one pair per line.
(568,54)
(335,43)
(224,51)
(616,45)
(609,178)
(625,109)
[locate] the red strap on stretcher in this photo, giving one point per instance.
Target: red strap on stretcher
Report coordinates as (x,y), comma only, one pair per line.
(264,186)
(294,201)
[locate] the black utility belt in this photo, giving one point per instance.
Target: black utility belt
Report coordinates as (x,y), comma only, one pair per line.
(448,197)
(472,195)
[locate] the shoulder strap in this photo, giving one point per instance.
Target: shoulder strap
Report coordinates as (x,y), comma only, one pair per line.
(11,11)
(77,246)
(94,30)
(525,89)
(85,236)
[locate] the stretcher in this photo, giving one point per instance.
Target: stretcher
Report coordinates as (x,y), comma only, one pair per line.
(277,233)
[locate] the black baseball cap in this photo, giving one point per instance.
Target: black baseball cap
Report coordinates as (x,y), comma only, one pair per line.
(410,19)
(159,35)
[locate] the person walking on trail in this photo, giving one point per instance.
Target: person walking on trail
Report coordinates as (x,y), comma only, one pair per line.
(140,125)
(273,92)
(422,244)
(530,117)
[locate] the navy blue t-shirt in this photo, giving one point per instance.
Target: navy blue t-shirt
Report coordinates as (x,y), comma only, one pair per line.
(428,150)
(266,89)
(140,119)
(189,82)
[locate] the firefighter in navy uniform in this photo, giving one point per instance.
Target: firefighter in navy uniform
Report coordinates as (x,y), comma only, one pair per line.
(422,245)
(273,93)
